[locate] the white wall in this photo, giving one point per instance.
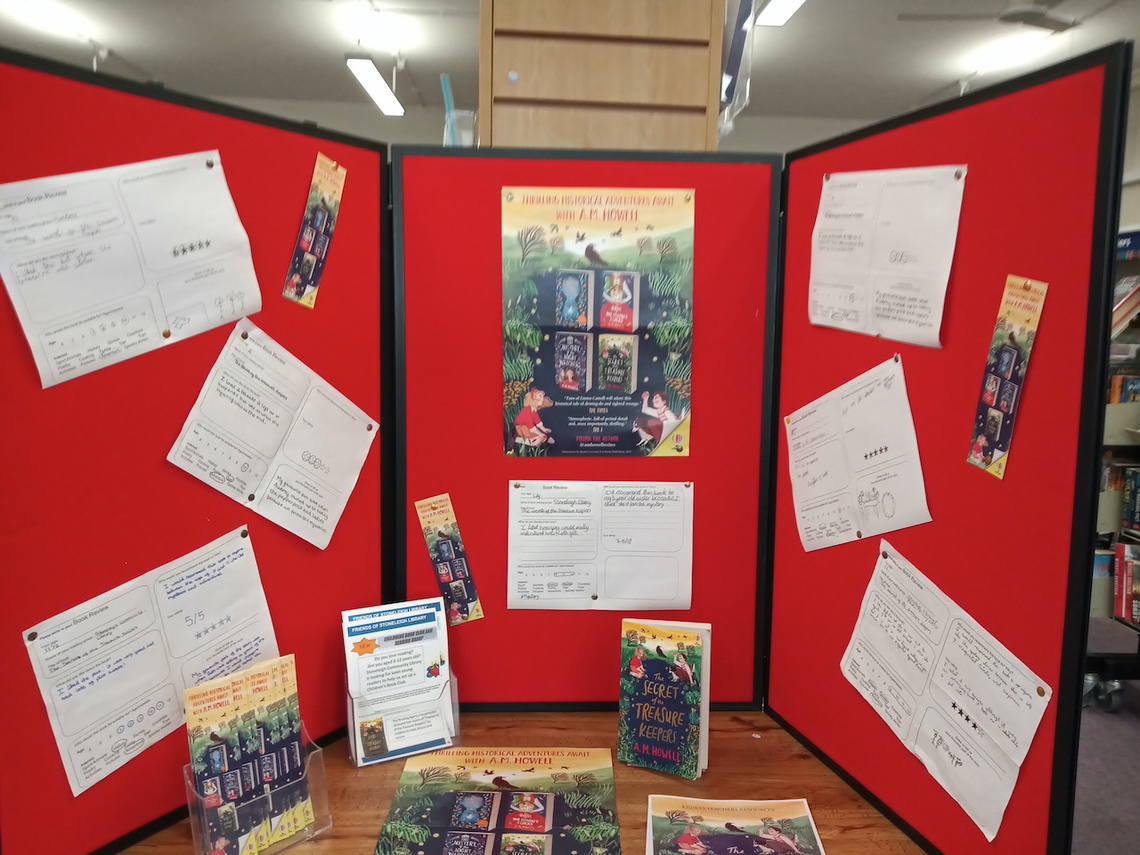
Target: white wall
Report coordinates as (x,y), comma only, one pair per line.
(424,125)
(1130,194)
(419,125)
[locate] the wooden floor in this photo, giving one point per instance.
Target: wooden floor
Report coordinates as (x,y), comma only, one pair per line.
(750,757)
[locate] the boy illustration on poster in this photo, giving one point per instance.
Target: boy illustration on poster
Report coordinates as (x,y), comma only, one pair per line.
(597,318)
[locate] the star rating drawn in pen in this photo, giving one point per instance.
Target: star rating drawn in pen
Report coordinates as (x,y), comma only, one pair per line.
(962,712)
(206,630)
(875,452)
(187,248)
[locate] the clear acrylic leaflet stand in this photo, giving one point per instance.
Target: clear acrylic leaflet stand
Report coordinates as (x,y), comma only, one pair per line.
(257,817)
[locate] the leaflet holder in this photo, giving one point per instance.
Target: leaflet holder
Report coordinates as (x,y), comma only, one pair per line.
(302,803)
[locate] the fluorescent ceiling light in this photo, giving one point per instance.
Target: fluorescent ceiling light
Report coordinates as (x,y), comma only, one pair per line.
(777,12)
(50,16)
(375,85)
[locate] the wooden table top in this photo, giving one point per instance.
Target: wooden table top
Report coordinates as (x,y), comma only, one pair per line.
(750,757)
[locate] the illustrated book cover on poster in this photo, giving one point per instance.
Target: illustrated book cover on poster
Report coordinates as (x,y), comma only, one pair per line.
(685,826)
(597,321)
(504,801)
(573,361)
(663,702)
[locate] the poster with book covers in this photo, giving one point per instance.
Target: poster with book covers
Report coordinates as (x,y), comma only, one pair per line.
(597,321)
(687,826)
(504,801)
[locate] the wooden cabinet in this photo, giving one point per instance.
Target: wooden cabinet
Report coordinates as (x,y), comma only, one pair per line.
(597,74)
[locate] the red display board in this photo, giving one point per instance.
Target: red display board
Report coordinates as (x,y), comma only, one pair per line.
(448,280)
(90,501)
(1042,156)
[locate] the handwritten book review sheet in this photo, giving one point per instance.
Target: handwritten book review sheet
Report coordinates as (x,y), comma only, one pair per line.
(853,461)
(112,670)
(882,249)
(952,693)
(270,433)
(106,264)
(615,545)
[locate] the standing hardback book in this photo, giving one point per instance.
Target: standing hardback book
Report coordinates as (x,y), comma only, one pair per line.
(730,827)
(663,700)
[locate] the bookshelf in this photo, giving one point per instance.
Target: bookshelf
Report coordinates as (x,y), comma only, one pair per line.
(588,74)
(1105,671)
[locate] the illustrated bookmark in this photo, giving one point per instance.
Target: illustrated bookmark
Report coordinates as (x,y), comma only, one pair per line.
(449,559)
(1004,377)
(312,248)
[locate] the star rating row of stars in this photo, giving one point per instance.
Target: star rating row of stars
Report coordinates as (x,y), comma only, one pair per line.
(187,248)
(962,712)
(218,624)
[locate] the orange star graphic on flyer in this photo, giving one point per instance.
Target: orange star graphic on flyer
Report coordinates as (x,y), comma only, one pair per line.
(364,646)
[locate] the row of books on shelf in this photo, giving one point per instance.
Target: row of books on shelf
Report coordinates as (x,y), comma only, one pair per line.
(1125,477)
(1125,303)
(1126,582)
(1125,387)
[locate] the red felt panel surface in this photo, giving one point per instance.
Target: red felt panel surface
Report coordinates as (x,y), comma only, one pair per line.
(998,548)
(90,500)
(451,287)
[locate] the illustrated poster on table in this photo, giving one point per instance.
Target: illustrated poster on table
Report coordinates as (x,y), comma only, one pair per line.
(597,321)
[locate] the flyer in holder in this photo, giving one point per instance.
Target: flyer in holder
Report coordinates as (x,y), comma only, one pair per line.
(400,688)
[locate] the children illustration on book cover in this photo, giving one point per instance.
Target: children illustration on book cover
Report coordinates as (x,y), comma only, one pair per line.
(504,801)
(687,826)
(597,313)
(659,704)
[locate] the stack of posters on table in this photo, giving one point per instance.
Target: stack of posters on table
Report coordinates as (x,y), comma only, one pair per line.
(400,691)
(706,827)
(247,759)
(504,801)
(663,697)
